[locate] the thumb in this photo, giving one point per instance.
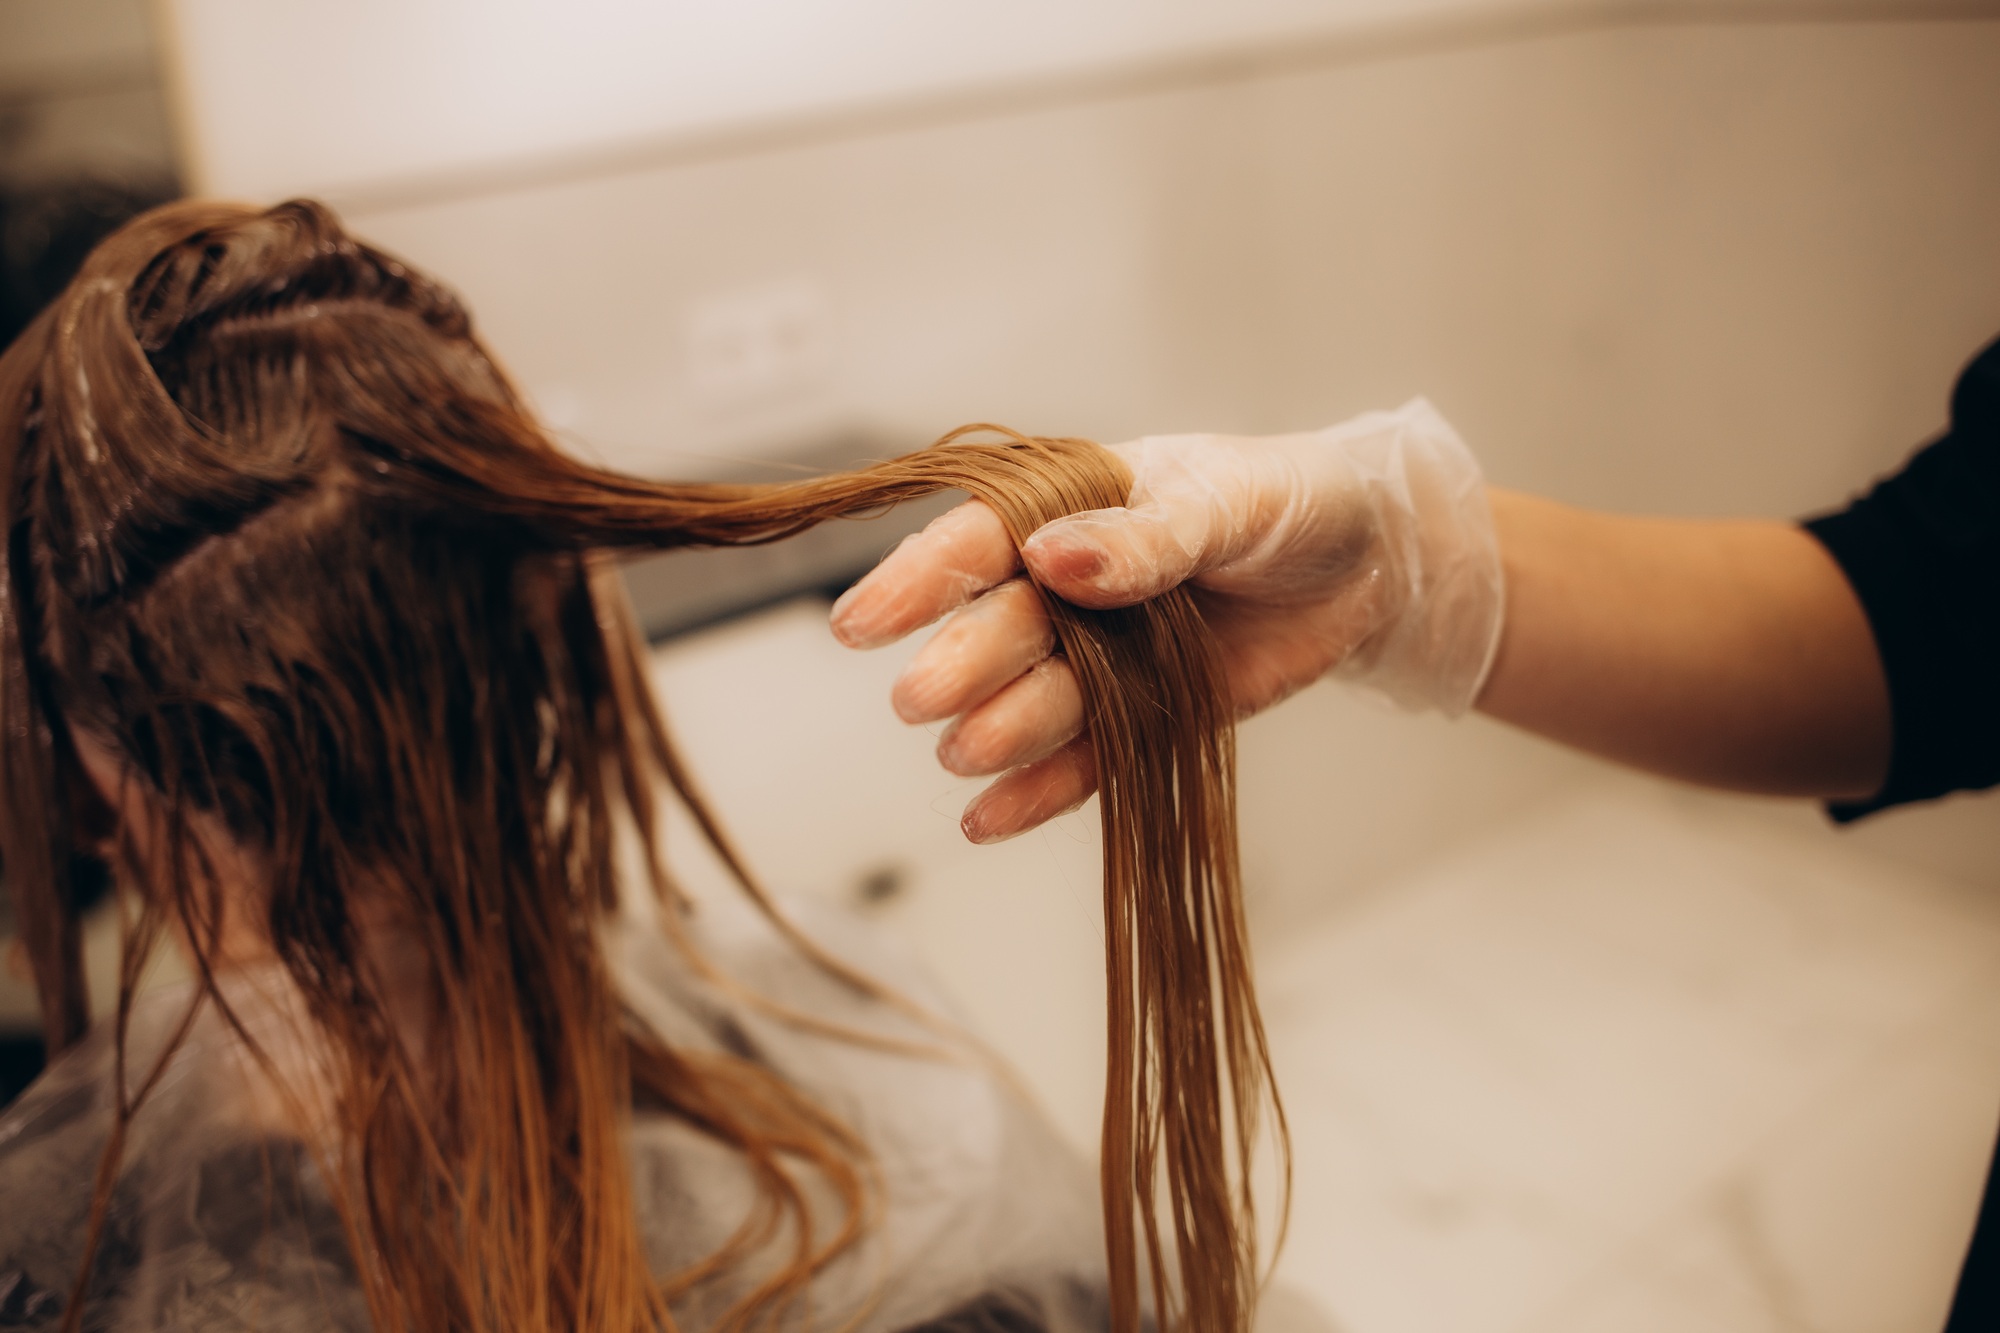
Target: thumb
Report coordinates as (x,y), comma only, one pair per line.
(1113,557)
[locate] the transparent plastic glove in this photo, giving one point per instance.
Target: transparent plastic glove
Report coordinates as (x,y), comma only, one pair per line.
(1365,550)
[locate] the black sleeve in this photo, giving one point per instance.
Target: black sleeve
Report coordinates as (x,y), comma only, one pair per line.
(1922,550)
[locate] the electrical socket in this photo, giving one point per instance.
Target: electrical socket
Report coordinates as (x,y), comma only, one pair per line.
(759,344)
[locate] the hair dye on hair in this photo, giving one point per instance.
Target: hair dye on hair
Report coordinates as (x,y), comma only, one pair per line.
(283,539)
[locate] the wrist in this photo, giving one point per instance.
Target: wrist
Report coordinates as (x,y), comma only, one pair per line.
(1436,555)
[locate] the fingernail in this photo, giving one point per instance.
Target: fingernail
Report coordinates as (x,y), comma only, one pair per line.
(1067,558)
(843,607)
(852,627)
(952,758)
(982,824)
(913,696)
(976,829)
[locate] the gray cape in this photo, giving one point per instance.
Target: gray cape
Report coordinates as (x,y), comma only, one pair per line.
(988,1222)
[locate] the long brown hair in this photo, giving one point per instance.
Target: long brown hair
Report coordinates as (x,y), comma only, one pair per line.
(283,539)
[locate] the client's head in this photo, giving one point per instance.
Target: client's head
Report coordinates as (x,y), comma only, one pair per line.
(293,647)
(235,582)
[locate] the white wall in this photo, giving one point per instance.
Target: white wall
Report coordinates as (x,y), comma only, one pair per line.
(287,96)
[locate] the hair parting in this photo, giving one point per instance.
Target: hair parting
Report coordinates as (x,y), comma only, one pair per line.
(448,735)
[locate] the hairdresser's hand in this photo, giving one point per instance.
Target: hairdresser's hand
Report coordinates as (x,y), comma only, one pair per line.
(1366,547)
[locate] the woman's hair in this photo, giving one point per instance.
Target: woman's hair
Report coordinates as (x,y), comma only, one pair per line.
(282,539)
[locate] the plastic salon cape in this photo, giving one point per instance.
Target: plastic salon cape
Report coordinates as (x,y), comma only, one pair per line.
(988,1222)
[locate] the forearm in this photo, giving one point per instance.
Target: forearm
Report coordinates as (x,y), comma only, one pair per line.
(1725,652)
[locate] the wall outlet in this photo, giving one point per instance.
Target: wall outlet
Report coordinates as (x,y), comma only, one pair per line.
(759,344)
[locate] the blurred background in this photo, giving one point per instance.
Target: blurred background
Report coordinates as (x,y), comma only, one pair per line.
(1563,1048)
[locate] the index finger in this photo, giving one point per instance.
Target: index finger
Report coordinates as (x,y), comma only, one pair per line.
(960,555)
